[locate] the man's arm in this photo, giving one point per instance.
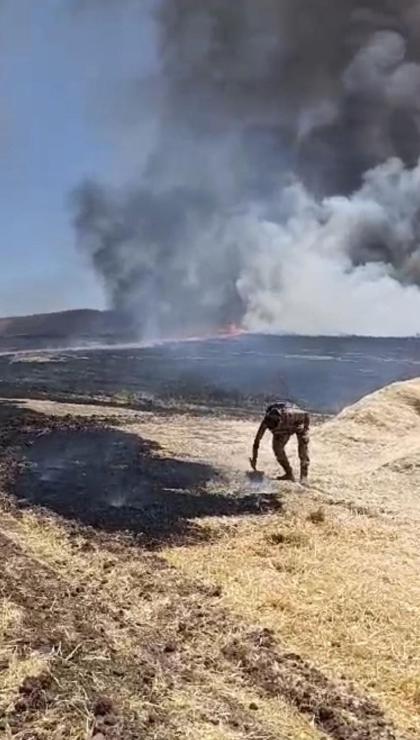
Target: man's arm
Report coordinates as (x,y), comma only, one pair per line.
(256,445)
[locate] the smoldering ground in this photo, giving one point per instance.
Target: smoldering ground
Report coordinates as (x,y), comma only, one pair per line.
(279,187)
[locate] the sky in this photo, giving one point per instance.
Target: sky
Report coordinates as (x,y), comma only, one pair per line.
(59,104)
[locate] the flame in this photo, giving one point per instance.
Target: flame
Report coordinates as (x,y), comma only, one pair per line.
(233,330)
(227,332)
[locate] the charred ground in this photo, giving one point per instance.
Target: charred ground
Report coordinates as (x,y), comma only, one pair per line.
(150,590)
(237,375)
(90,471)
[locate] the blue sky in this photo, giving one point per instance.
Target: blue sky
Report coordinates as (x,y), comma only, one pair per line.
(61,75)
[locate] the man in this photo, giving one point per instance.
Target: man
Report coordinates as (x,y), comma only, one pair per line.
(283,421)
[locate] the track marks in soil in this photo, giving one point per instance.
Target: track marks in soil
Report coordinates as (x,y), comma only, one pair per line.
(335,708)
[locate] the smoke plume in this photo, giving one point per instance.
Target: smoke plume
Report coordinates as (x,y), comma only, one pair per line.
(279,189)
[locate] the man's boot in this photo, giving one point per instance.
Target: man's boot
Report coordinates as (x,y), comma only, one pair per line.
(304,470)
(288,476)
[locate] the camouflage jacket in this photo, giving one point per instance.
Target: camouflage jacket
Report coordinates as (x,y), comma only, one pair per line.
(293,420)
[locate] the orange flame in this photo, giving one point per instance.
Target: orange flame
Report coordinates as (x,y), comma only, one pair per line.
(228,332)
(233,330)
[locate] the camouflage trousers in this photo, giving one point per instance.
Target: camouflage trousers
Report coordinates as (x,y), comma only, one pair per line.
(280,441)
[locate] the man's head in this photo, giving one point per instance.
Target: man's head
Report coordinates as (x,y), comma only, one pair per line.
(272,418)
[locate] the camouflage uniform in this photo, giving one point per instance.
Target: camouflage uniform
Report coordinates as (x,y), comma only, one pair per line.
(284,421)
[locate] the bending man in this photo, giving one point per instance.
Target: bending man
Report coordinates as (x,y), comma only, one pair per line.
(283,421)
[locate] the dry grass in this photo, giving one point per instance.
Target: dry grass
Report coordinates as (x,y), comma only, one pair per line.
(170,639)
(339,587)
(136,603)
(339,596)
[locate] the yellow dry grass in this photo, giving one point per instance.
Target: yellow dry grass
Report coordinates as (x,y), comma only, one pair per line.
(339,596)
(116,604)
(344,592)
(335,576)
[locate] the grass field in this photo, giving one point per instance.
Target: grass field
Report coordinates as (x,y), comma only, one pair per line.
(150,590)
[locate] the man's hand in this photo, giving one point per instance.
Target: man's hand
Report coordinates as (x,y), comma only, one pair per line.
(256,446)
(253,461)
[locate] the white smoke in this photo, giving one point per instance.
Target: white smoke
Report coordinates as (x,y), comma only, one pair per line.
(314,273)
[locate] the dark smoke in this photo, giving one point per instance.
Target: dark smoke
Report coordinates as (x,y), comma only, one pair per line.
(293,73)
(252,96)
(157,266)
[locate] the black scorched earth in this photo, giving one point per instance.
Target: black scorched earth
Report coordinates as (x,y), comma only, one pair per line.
(149,589)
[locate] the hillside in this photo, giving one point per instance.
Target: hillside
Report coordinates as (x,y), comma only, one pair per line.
(61,329)
(227,610)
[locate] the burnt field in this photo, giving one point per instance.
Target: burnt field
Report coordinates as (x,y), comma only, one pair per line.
(241,373)
(150,589)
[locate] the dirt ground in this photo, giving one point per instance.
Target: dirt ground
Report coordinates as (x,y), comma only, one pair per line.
(149,589)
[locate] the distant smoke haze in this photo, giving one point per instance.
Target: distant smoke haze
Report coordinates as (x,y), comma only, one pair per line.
(273,180)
